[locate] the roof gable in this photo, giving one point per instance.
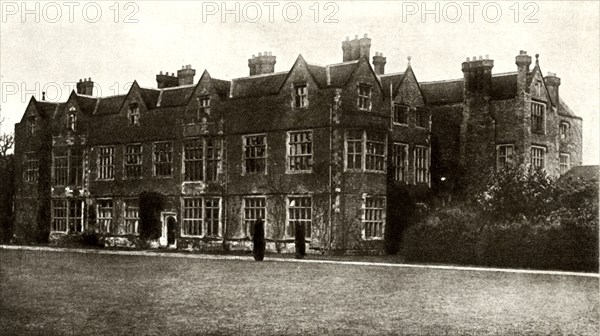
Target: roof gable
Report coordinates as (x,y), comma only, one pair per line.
(258,85)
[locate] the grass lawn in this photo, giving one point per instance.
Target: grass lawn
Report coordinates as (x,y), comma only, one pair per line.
(53,293)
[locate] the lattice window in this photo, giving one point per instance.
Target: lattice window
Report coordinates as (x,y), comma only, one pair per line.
(538,157)
(564,130)
(400,161)
(60,166)
(192,217)
(134,114)
(538,117)
(105,215)
(162,159)
(203,106)
(364,97)
(504,156)
(202,159)
(76,166)
(300,95)
(255,153)
(214,150)
(254,208)
(422,118)
(421,164)
(373,221)
(299,211)
(31,167)
(60,215)
(300,151)
(72,121)
(133,161)
(193,160)
(565,163)
(375,156)
(132,217)
(354,150)
(75,216)
(201,217)
(400,114)
(212,220)
(31,125)
(106,165)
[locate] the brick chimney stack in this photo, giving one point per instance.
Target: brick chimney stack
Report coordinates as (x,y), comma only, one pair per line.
(553,82)
(85,87)
(186,75)
(264,63)
(523,61)
(478,74)
(165,80)
(357,48)
(379,63)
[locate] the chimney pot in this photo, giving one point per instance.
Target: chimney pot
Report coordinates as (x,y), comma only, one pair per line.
(365,35)
(356,37)
(487,56)
(468,59)
(43,95)
(347,38)
(89,79)
(259,54)
(522,52)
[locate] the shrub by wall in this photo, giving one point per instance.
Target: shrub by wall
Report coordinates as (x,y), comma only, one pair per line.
(150,206)
(464,236)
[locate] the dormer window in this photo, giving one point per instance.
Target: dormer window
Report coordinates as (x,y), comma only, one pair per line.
(31,125)
(134,114)
(300,95)
(564,130)
(71,121)
(203,106)
(364,97)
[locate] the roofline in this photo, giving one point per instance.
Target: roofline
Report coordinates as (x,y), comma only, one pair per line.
(260,75)
(505,73)
(444,81)
(342,63)
(392,74)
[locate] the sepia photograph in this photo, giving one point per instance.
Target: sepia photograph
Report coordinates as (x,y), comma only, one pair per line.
(299,167)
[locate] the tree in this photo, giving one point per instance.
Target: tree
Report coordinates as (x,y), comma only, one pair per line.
(7,141)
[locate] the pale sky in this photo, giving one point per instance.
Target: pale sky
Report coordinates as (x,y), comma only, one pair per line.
(50,54)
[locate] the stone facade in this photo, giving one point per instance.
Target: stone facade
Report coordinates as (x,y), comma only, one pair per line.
(483,121)
(320,145)
(314,144)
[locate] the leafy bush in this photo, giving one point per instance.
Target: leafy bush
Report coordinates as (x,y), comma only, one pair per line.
(300,240)
(91,239)
(258,240)
(520,218)
(151,204)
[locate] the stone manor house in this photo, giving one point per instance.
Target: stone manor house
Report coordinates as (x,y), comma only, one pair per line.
(319,145)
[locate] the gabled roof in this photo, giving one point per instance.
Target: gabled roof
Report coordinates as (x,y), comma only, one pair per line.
(87,104)
(395,79)
(149,96)
(109,105)
(319,74)
(258,85)
(565,110)
(176,96)
(339,74)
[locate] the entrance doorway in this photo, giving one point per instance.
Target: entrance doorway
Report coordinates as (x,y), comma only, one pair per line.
(169,230)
